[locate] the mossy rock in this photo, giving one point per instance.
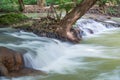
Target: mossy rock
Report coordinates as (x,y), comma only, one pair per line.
(12,18)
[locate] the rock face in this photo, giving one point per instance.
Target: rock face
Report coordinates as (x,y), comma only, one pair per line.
(12,64)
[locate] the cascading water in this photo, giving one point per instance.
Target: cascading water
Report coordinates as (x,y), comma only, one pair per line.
(97,58)
(89,26)
(44,58)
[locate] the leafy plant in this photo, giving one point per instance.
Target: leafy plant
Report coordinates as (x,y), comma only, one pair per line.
(63,6)
(11,18)
(102,3)
(111,10)
(28,2)
(9,5)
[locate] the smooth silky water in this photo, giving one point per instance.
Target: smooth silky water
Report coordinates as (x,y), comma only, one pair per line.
(97,57)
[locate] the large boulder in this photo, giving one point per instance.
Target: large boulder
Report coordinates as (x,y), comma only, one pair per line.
(12,64)
(10,61)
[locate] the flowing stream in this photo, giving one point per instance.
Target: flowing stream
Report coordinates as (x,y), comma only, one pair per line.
(97,57)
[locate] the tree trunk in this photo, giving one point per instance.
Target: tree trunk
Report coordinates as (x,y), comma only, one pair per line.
(76,13)
(75,1)
(41,3)
(21,4)
(49,27)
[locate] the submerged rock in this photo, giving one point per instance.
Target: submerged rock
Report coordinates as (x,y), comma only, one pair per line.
(12,64)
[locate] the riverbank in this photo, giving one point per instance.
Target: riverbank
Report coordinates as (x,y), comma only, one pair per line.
(49,26)
(42,25)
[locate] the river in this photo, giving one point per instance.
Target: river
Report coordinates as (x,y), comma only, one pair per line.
(95,58)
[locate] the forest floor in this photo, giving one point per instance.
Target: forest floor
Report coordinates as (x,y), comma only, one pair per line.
(111,13)
(106,11)
(36,12)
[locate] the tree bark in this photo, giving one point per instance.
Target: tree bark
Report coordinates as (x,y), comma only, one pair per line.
(76,13)
(41,3)
(21,4)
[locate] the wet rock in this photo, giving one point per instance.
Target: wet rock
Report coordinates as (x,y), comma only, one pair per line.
(3,70)
(90,31)
(10,60)
(12,64)
(26,72)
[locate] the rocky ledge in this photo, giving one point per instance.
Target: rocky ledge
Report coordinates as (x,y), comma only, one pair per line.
(12,64)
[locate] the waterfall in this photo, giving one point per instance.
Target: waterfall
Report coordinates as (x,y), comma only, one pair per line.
(90,26)
(44,55)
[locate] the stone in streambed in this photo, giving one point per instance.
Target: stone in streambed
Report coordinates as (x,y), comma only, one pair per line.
(11,59)
(12,64)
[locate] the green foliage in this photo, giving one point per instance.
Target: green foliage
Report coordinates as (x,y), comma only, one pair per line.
(67,5)
(11,18)
(55,2)
(63,5)
(58,2)
(9,5)
(12,5)
(103,2)
(115,2)
(9,8)
(107,6)
(28,2)
(111,10)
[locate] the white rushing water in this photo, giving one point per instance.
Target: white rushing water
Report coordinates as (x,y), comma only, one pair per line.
(54,56)
(90,27)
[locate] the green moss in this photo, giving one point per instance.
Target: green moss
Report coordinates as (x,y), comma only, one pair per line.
(12,18)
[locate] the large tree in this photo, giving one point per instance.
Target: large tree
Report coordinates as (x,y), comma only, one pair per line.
(62,29)
(76,13)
